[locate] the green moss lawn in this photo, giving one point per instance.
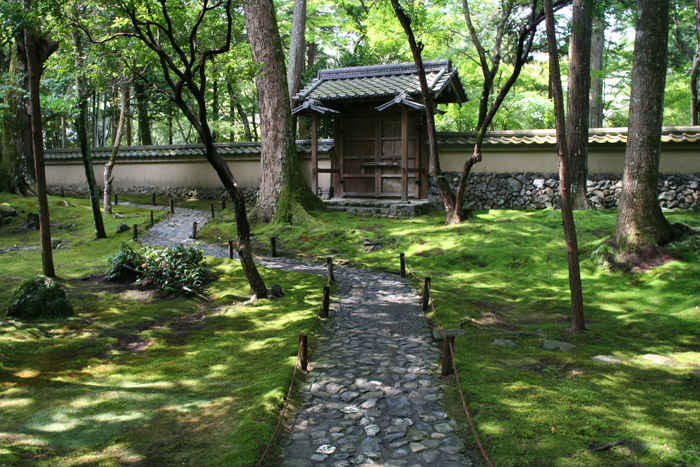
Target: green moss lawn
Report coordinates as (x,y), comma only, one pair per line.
(503,275)
(134,378)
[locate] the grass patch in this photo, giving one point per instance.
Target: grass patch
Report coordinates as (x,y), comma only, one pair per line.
(505,272)
(134,378)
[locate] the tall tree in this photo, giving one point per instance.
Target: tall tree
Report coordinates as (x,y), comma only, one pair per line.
(446,195)
(578,102)
(297,46)
(564,171)
(182,41)
(596,103)
(143,117)
(81,125)
(107,177)
(38,48)
(284,193)
(490,63)
(640,222)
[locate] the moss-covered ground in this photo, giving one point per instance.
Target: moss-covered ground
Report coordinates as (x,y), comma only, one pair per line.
(503,275)
(134,378)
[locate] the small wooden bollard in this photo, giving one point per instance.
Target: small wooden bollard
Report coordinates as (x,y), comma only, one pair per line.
(273,246)
(447,346)
(116,198)
(402,257)
(211,210)
(194,230)
(172,206)
(331,192)
(325,305)
(154,199)
(63,193)
(331,276)
(136,233)
(230,249)
(426,294)
(223,204)
(303,352)
(151,218)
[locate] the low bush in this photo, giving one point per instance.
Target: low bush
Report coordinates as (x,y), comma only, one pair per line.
(171,270)
(39,297)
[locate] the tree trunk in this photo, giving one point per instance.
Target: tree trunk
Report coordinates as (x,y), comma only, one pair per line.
(235,104)
(215,108)
(37,49)
(143,119)
(127,122)
(695,73)
(446,195)
(577,320)
(296,48)
(578,102)
(81,125)
(283,189)
(109,166)
(640,222)
(597,54)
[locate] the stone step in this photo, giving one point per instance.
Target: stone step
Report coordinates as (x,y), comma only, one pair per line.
(380,208)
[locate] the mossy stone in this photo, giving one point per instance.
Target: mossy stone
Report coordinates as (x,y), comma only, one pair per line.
(39,297)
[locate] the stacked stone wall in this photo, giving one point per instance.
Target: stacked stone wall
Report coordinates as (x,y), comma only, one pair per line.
(539,191)
(249,194)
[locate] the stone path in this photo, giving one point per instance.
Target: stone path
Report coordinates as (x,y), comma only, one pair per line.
(372,396)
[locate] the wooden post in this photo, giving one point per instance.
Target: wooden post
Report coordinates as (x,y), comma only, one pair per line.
(63,193)
(404,153)
(325,305)
(303,352)
(194,230)
(314,153)
(172,206)
(230,249)
(331,192)
(447,346)
(331,276)
(426,294)
(116,199)
(153,201)
(273,246)
(151,218)
(402,257)
(223,204)
(211,210)
(136,233)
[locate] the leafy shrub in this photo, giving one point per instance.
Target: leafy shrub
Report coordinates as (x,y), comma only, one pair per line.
(126,264)
(39,297)
(171,270)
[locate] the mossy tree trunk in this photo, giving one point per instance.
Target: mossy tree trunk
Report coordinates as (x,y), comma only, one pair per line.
(640,222)
(284,193)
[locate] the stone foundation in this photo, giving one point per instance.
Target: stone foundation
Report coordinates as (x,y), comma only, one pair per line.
(539,191)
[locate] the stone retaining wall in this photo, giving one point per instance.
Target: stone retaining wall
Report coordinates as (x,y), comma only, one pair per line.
(539,191)
(249,194)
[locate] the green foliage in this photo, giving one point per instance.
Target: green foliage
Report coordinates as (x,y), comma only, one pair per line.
(39,297)
(171,270)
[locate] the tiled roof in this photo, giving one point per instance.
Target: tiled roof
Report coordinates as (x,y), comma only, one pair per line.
(369,82)
(687,134)
(181,151)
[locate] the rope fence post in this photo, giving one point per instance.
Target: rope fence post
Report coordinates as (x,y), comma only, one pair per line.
(303,352)
(172,206)
(230,249)
(273,246)
(326,301)
(426,294)
(153,199)
(194,230)
(331,275)
(136,233)
(211,210)
(151,218)
(447,346)
(223,204)
(116,199)
(402,257)
(63,193)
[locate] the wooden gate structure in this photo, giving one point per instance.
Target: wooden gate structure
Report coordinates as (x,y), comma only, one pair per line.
(379,126)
